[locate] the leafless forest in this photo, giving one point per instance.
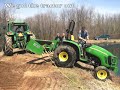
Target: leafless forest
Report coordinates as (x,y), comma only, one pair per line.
(46,25)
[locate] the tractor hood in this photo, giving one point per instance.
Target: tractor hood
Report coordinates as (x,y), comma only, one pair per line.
(94,49)
(107,59)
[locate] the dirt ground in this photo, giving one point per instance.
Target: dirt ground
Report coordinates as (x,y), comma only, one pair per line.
(25,71)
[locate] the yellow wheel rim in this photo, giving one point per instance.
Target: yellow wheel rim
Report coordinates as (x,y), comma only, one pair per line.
(102,74)
(63,56)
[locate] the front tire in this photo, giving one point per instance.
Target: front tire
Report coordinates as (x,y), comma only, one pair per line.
(65,56)
(101,73)
(8,50)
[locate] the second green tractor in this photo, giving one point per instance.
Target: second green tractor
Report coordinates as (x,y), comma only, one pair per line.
(69,52)
(17,36)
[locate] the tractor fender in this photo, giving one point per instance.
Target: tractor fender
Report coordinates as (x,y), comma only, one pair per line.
(9,33)
(75,45)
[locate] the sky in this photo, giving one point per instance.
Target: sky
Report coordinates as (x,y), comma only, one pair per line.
(27,8)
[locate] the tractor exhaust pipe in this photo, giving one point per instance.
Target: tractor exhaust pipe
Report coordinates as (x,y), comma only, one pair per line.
(70,29)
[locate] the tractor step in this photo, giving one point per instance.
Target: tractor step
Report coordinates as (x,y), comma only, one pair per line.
(84,59)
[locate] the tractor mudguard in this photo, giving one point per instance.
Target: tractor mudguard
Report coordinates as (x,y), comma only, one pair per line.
(10,33)
(34,47)
(75,45)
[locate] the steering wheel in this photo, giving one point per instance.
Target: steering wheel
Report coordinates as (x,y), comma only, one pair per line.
(82,42)
(85,44)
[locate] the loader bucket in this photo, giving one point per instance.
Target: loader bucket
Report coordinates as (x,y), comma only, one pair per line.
(34,47)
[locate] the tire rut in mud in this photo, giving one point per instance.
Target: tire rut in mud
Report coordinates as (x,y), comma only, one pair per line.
(9,77)
(17,74)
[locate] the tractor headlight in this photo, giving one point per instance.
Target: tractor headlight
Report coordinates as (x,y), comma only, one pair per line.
(9,33)
(20,34)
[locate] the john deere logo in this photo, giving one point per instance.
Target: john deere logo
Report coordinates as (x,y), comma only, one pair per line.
(36,45)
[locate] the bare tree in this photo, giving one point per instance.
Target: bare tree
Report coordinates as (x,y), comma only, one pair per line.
(46,25)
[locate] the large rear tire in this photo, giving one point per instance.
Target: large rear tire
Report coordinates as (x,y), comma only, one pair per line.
(101,73)
(7,49)
(65,56)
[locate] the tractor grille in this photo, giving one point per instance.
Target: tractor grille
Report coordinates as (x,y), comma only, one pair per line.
(112,60)
(109,60)
(20,38)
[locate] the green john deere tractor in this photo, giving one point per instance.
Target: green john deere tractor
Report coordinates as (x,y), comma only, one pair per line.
(69,52)
(17,36)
